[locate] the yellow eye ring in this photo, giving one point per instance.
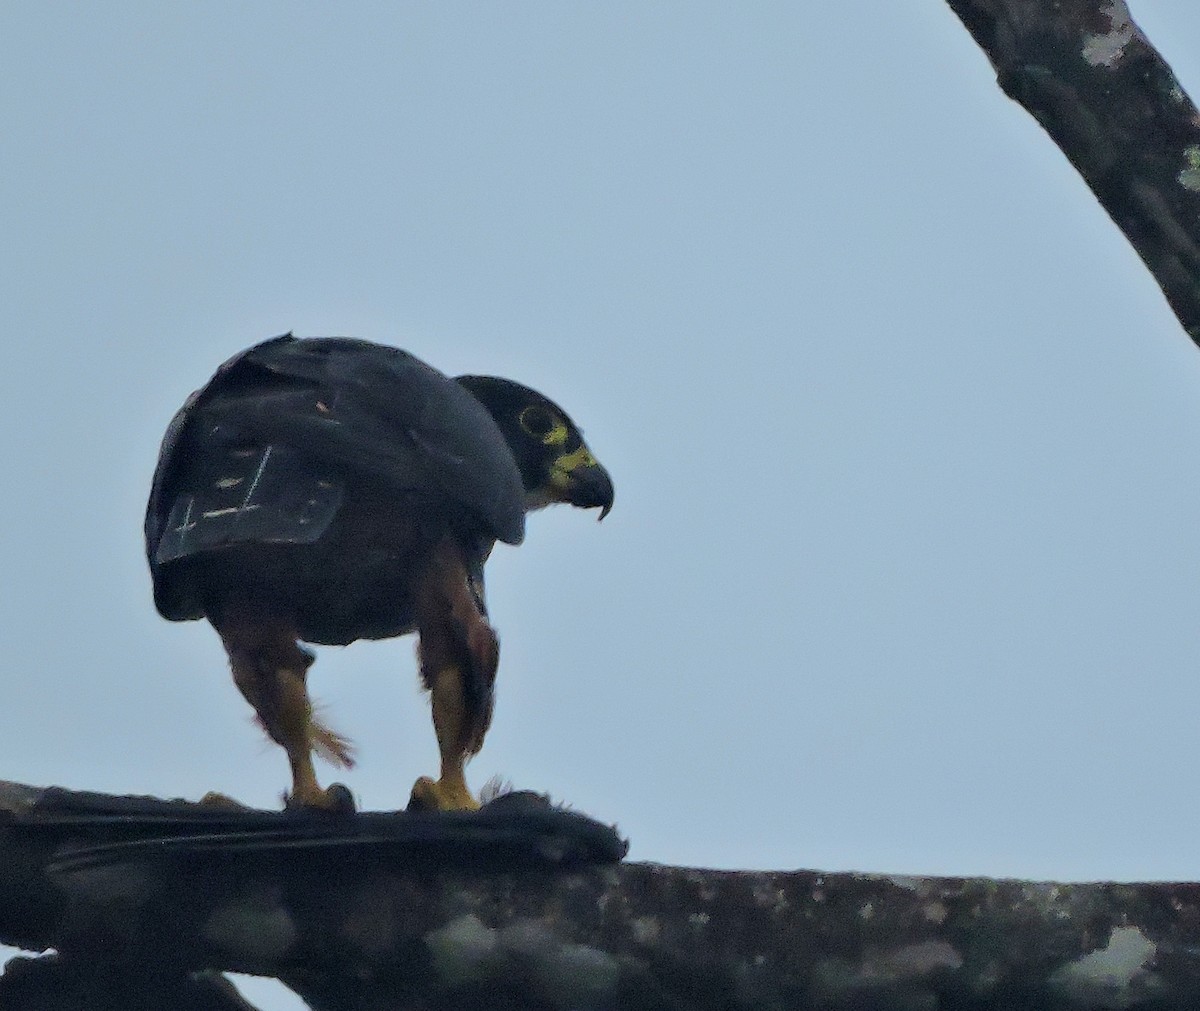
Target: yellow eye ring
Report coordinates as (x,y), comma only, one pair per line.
(536,421)
(542,425)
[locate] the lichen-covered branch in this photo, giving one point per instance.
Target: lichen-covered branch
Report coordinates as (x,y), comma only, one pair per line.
(1091,78)
(360,920)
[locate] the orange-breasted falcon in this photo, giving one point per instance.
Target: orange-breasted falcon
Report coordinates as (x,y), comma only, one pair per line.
(324,490)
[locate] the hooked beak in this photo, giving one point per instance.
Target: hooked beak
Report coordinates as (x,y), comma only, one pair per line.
(580,480)
(592,487)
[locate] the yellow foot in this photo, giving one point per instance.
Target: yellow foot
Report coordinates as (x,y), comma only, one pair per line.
(441,795)
(336,798)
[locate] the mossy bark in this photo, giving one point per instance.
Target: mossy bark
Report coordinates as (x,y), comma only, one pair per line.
(1110,102)
(412,919)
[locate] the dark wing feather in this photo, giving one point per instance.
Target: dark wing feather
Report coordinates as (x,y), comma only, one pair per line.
(404,421)
(159,506)
(271,495)
(351,408)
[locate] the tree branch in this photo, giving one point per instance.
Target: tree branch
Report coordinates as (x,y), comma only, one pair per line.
(1110,102)
(352,917)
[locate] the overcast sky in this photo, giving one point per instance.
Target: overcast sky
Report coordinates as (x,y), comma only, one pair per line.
(904,569)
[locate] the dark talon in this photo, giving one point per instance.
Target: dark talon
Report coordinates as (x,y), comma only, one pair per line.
(337,800)
(341,799)
(417,802)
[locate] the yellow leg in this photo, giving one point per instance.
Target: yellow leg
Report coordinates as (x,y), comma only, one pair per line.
(449,793)
(272,676)
(292,731)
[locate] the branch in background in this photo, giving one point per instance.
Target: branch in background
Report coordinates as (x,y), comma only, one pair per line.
(520,917)
(1110,102)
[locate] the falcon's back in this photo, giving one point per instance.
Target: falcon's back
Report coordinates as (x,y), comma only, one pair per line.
(308,477)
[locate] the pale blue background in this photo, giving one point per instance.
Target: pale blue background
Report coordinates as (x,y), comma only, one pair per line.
(904,569)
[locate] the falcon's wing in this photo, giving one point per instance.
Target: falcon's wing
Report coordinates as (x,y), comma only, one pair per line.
(265,495)
(262,453)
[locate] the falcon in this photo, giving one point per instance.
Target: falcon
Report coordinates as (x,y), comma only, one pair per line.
(325,490)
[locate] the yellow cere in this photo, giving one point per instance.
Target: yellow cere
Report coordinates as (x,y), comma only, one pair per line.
(560,472)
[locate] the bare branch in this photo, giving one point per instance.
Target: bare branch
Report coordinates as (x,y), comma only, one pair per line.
(1110,102)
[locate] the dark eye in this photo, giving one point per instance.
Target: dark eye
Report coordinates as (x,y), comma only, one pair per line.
(536,421)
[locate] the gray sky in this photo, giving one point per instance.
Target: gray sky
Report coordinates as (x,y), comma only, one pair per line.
(903,570)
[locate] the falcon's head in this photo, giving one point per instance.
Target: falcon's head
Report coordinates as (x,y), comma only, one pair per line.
(555,463)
